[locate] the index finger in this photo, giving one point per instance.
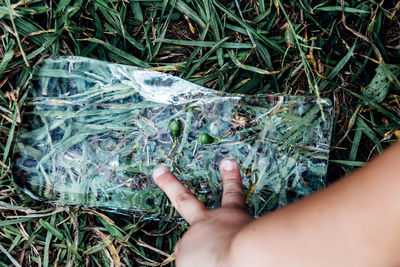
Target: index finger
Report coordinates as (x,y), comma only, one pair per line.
(188,206)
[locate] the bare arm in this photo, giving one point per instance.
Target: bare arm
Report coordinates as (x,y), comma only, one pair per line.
(354,222)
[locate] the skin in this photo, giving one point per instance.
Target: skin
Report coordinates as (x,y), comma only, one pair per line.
(354,222)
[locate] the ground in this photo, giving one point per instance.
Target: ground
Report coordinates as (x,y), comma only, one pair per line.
(329,49)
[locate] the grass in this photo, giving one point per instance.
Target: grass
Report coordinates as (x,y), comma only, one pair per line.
(294,47)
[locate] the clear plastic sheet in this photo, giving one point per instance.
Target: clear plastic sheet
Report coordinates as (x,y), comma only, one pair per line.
(93,131)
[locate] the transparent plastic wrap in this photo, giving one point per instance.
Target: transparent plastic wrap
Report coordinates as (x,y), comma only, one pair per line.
(93,131)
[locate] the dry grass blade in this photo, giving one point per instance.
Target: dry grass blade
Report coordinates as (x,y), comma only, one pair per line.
(116,261)
(142,244)
(365,38)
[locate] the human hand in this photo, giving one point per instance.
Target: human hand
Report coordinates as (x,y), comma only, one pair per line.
(208,240)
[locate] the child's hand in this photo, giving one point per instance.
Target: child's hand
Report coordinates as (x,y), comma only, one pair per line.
(353,222)
(208,240)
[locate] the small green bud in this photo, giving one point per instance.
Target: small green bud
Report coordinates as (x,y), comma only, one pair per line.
(175,127)
(206,139)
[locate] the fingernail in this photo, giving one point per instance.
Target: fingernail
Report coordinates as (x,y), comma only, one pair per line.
(157,172)
(227,164)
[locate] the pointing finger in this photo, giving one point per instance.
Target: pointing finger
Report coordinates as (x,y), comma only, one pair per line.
(188,206)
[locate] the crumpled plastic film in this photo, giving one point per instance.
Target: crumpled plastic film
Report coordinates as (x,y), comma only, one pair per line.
(93,131)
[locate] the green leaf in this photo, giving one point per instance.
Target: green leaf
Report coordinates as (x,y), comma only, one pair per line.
(379,86)
(119,52)
(369,132)
(51,229)
(8,55)
(339,9)
(349,163)
(338,67)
